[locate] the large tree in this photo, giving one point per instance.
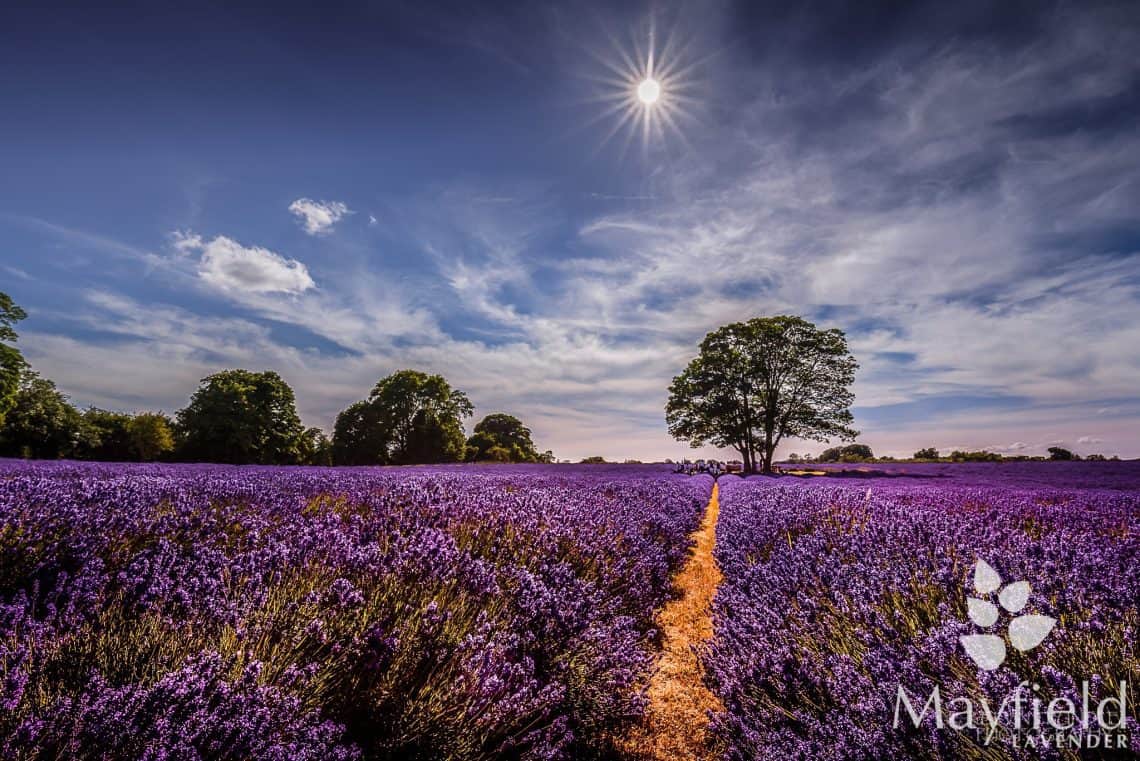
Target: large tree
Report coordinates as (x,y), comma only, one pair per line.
(42,423)
(410,417)
(11,361)
(238,416)
(500,436)
(758,382)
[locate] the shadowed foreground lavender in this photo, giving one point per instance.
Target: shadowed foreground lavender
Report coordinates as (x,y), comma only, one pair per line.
(838,590)
(184,612)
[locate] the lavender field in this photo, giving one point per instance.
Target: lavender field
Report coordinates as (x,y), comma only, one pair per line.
(837,591)
(212,612)
(188,612)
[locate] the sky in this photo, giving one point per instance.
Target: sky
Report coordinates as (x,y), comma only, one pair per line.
(344,189)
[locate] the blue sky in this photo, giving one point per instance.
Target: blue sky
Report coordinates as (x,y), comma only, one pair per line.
(339,191)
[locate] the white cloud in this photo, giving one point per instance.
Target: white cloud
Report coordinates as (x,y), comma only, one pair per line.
(1090,440)
(318,217)
(229,266)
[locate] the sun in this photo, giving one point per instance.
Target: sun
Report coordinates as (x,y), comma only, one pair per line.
(649,91)
(646,86)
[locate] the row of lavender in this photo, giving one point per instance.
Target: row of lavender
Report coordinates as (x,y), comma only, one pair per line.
(838,592)
(184,612)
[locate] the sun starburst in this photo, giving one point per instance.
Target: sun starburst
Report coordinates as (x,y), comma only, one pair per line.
(646,89)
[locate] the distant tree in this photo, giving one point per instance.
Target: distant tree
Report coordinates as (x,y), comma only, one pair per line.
(238,416)
(848,453)
(856,453)
(831,454)
(631,461)
(1059,453)
(980,456)
(42,423)
(433,438)
(478,445)
(315,448)
(755,383)
(794,457)
(359,438)
(505,431)
(1096,458)
(593,460)
(410,417)
(546,457)
(150,436)
(929,453)
(497,453)
(12,363)
(104,436)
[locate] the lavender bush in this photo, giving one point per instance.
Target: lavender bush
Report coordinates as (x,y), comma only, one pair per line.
(838,591)
(185,612)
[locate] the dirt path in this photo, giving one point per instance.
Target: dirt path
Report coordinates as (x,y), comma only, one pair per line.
(677,717)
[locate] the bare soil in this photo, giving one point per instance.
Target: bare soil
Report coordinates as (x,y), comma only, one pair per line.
(676,720)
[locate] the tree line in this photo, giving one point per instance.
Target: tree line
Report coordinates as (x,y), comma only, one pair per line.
(243,417)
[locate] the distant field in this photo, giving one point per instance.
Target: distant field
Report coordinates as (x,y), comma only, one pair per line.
(165,611)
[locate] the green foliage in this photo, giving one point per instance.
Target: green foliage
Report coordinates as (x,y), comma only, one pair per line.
(1060,453)
(238,416)
(358,437)
(315,447)
(929,453)
(410,417)
(755,383)
(500,431)
(41,422)
(150,436)
(980,456)
(12,364)
(593,460)
(104,436)
(497,454)
(848,453)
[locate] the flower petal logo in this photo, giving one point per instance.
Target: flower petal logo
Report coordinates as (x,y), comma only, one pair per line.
(1025,632)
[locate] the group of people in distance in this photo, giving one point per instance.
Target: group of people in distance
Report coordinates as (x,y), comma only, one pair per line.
(713,468)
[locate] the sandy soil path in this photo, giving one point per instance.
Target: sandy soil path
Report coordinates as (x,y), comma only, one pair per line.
(677,717)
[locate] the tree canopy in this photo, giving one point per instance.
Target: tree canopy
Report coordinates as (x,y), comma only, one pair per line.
(1060,453)
(12,363)
(241,417)
(41,422)
(848,453)
(104,436)
(150,436)
(500,437)
(755,383)
(410,417)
